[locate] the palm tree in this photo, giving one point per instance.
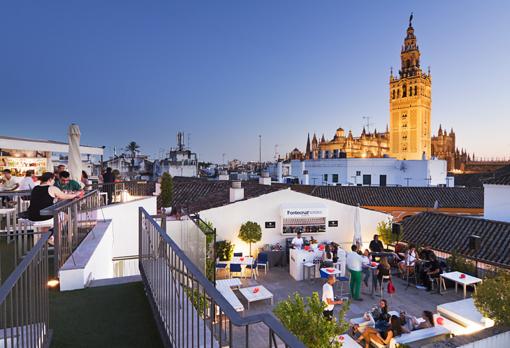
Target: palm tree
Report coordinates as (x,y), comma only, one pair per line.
(132,148)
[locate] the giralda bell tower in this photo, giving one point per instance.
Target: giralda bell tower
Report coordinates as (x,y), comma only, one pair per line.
(410,104)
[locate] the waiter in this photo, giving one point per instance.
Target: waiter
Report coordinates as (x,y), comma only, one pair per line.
(297,242)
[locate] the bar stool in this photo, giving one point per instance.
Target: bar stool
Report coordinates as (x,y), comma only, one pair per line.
(307,267)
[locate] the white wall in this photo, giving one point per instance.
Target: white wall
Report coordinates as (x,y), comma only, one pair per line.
(124,218)
(91,260)
(182,170)
(396,171)
(228,219)
(497,202)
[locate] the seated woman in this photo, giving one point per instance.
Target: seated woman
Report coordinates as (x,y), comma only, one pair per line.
(382,270)
(371,334)
(381,316)
(409,261)
(411,323)
(45,195)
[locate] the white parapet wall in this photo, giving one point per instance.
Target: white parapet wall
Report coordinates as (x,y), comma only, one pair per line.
(114,237)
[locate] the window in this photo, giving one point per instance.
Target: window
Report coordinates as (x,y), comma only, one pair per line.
(325,177)
(410,91)
(358,173)
(335,178)
(393,97)
(398,93)
(382,180)
(415,90)
(367,179)
(404,91)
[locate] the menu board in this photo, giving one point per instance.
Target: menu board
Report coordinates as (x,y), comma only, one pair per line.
(19,165)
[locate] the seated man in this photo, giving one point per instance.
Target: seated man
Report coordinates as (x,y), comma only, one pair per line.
(432,271)
(412,323)
(9,184)
(67,184)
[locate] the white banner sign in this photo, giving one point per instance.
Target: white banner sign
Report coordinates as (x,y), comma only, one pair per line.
(304,212)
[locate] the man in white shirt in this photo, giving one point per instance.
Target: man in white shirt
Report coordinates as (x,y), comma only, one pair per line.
(28,182)
(328,297)
(354,263)
(297,242)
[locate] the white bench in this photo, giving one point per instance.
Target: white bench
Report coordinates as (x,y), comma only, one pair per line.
(414,336)
(224,286)
(363,323)
(466,314)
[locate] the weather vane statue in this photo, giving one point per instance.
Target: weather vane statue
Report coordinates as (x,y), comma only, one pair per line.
(410,19)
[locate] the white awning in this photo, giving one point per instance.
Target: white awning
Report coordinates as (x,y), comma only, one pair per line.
(12,143)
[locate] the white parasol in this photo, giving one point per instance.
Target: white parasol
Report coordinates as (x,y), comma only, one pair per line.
(357,228)
(74,159)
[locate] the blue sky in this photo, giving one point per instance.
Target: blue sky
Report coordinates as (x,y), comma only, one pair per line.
(227,71)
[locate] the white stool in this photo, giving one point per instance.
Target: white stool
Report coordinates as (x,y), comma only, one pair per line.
(307,267)
(386,278)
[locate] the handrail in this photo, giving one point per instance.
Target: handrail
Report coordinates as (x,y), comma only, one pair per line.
(65,204)
(286,336)
(11,280)
(15,193)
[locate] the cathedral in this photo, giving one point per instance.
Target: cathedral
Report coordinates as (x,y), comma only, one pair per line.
(408,136)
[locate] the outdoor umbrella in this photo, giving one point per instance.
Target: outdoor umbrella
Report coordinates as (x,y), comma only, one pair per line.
(74,159)
(356,240)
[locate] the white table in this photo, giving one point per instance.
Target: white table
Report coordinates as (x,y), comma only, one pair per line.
(455,277)
(261,295)
(246,260)
(347,341)
(331,270)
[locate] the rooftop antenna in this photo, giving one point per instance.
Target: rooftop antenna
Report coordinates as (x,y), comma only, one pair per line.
(189,140)
(260,153)
(223,158)
(368,123)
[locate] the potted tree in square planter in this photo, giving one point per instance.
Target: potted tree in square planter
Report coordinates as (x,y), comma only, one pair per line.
(250,232)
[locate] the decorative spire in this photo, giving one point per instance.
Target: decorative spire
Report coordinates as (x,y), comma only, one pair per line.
(440,132)
(410,55)
(308,145)
(364,132)
(323,140)
(411,20)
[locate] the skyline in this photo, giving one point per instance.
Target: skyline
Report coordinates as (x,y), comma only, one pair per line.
(229,71)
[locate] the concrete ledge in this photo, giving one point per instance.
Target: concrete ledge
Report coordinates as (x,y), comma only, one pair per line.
(91,260)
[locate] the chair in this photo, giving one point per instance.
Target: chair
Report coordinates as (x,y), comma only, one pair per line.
(236,268)
(263,261)
(344,280)
(410,274)
(221,266)
(253,268)
(238,254)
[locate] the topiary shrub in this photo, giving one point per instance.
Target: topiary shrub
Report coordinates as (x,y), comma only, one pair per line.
(250,232)
(492,298)
(306,320)
(167,190)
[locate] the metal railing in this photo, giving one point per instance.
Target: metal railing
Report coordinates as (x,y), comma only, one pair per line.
(20,200)
(72,221)
(123,191)
(24,301)
(189,310)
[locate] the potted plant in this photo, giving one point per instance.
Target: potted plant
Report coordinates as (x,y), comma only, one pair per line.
(250,232)
(305,319)
(492,298)
(166,195)
(224,250)
(384,229)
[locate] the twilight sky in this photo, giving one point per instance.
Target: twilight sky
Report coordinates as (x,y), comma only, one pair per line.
(227,71)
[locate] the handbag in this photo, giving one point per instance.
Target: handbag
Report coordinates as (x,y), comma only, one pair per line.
(391,287)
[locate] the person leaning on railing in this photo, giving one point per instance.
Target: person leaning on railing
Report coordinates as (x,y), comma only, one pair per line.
(45,195)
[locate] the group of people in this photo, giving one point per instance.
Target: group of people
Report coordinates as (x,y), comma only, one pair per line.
(388,326)
(424,265)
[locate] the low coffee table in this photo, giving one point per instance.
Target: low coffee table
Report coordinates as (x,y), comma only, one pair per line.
(261,295)
(456,277)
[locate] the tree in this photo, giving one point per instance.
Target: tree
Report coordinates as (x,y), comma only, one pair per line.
(492,298)
(250,232)
(306,321)
(384,229)
(132,148)
(167,188)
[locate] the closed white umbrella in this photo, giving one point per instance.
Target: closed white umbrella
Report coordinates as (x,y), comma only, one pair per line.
(357,228)
(74,159)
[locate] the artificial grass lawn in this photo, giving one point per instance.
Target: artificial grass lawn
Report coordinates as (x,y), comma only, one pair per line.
(110,316)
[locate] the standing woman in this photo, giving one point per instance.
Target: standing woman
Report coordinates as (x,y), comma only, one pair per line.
(45,195)
(383,269)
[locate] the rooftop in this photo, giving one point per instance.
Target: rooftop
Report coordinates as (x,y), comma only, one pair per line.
(450,233)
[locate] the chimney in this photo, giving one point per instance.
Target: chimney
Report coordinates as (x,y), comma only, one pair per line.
(265,179)
(236,191)
(279,171)
(306,178)
(223,176)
